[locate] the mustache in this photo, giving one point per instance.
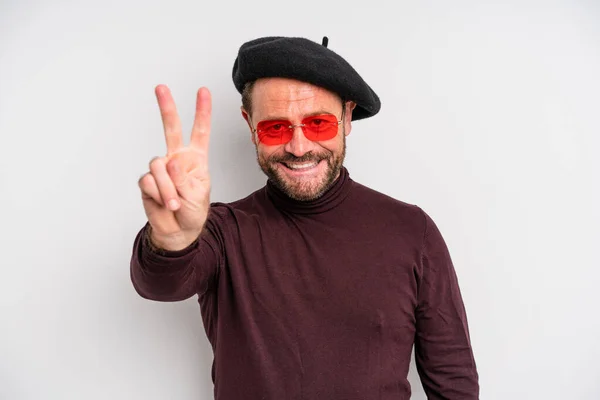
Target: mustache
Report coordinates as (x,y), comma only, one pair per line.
(290,158)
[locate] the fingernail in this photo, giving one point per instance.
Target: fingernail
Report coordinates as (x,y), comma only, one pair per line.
(173,204)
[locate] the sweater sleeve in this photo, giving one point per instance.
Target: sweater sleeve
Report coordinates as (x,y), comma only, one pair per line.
(443,352)
(166,275)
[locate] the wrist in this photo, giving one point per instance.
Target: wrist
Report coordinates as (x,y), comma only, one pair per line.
(161,245)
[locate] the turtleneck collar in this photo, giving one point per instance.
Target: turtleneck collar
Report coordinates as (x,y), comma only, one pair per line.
(336,193)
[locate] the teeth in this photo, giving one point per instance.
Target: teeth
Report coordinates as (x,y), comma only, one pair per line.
(301,166)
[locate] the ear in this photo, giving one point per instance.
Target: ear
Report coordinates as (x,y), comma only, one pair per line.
(349,106)
(247,118)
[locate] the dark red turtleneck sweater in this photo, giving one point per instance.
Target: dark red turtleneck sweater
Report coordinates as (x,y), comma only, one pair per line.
(320,300)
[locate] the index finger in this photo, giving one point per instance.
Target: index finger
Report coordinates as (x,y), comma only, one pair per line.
(201,129)
(170,119)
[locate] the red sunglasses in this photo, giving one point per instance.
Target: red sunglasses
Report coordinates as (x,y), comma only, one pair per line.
(281,131)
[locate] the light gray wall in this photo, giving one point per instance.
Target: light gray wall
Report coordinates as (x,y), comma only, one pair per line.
(490,122)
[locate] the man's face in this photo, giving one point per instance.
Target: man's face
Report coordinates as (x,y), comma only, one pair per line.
(302,168)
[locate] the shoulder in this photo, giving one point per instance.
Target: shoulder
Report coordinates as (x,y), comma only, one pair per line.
(400,216)
(368,194)
(251,205)
(377,203)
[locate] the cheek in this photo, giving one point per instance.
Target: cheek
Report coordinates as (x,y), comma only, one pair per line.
(265,152)
(333,145)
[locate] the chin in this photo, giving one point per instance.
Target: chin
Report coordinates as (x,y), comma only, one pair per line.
(305,191)
(301,188)
(304,186)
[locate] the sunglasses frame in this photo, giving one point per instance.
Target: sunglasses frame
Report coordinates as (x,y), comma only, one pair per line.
(292,126)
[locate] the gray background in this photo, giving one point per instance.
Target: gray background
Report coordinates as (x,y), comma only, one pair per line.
(490,122)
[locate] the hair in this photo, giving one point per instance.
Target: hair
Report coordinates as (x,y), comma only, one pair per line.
(247,96)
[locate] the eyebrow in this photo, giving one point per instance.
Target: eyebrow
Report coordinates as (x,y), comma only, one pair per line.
(312,114)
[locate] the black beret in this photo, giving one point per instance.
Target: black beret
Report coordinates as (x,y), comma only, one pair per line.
(304,60)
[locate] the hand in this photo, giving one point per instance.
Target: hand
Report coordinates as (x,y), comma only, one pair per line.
(176,190)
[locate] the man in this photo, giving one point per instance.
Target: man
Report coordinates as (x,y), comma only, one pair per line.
(314,286)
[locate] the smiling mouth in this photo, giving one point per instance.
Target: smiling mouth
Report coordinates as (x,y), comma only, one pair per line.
(301,166)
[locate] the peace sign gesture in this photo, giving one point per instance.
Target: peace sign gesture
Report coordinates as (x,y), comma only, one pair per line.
(176,190)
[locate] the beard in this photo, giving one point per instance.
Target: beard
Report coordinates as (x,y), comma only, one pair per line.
(302,190)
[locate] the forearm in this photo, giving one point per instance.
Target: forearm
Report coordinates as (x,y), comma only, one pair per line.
(163,275)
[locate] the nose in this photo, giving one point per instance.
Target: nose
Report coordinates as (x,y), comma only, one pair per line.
(299,145)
